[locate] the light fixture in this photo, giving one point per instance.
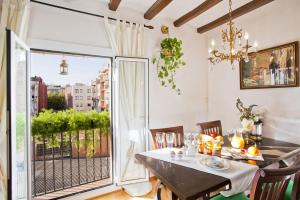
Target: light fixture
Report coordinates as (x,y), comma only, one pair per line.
(231,42)
(63,68)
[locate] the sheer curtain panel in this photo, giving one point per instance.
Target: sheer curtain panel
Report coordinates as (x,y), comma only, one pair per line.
(14,16)
(131,103)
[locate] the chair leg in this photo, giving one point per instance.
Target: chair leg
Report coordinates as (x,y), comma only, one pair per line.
(158,194)
(174,196)
(157,190)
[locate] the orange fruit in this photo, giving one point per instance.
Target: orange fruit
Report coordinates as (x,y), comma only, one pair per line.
(238,142)
(252,162)
(220,138)
(253,150)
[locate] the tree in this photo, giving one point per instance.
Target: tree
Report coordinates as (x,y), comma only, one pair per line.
(56,101)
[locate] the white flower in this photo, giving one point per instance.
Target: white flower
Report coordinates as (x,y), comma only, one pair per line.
(247,124)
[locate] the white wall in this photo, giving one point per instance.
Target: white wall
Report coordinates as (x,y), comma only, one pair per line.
(56,29)
(271,25)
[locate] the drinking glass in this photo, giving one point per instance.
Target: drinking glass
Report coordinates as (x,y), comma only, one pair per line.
(170,139)
(159,139)
(230,134)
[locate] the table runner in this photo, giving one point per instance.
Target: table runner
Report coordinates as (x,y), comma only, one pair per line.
(240,174)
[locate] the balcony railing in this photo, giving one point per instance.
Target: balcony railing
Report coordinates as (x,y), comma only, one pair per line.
(75,160)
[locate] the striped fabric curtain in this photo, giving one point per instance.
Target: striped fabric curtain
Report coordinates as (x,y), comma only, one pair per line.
(15,17)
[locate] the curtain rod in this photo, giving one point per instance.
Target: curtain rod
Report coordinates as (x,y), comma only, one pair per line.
(83,12)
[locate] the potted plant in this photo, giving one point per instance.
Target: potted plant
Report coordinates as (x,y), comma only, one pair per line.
(169,60)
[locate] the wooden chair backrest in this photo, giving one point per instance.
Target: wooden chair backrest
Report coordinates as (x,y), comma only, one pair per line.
(296,187)
(212,126)
(271,184)
(179,135)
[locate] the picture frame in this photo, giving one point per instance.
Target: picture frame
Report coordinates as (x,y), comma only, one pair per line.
(276,67)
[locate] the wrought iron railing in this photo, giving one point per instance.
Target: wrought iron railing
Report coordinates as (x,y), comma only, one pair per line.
(69,164)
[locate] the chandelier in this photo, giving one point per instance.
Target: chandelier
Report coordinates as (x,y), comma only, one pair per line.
(232,43)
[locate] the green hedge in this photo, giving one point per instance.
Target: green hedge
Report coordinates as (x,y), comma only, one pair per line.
(50,125)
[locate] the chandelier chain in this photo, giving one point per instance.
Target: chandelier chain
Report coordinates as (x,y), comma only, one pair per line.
(230,11)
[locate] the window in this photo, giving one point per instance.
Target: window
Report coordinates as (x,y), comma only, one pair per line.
(76,90)
(89,98)
(80,90)
(81,97)
(89,90)
(81,105)
(76,97)
(89,105)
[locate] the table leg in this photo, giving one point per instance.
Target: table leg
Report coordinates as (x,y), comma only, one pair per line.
(174,196)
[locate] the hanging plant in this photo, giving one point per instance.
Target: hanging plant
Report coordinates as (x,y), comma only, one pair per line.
(168,61)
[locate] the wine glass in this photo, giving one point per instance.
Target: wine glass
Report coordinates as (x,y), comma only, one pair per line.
(230,134)
(170,139)
(159,137)
(186,140)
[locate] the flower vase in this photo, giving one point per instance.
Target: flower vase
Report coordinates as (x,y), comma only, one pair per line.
(256,133)
(247,125)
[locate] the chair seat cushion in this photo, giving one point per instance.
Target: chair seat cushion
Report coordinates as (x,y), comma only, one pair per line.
(288,192)
(239,196)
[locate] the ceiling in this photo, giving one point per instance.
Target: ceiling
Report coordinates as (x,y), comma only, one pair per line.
(177,8)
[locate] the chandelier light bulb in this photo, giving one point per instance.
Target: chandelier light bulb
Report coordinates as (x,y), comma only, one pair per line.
(255,44)
(246,36)
(213,43)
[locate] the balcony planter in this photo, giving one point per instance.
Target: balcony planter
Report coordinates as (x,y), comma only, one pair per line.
(104,152)
(48,126)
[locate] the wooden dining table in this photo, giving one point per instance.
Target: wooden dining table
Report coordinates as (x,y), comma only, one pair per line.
(189,184)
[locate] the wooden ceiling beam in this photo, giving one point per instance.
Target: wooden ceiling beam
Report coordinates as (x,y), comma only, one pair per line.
(206,5)
(235,14)
(114,4)
(158,6)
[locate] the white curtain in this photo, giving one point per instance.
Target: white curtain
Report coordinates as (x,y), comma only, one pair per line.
(127,40)
(14,16)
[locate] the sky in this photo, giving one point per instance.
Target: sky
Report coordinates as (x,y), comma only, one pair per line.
(81,69)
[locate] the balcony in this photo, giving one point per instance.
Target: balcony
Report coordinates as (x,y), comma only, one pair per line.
(70,161)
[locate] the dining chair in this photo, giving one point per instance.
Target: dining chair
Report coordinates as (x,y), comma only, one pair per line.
(212,126)
(179,142)
(179,135)
(293,190)
(268,184)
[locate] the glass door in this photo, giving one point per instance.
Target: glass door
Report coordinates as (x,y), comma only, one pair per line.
(18,117)
(130,118)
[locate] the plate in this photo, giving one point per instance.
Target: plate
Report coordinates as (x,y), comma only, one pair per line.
(215,163)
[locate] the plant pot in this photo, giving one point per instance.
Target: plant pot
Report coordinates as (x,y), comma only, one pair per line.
(102,149)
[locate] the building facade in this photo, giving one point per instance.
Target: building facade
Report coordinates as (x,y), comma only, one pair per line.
(104,89)
(56,89)
(79,96)
(39,97)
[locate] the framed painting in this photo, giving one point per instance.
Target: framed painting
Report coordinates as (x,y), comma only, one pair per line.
(276,67)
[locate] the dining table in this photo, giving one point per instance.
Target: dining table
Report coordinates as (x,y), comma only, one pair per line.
(190,182)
